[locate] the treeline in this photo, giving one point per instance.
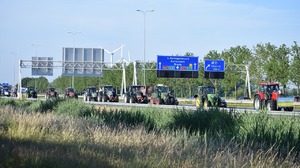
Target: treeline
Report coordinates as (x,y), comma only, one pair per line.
(267,62)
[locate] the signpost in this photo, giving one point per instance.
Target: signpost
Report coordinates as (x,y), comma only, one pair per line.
(214,69)
(177,66)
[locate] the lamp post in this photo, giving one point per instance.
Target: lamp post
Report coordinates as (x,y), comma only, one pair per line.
(14,55)
(36,54)
(145,12)
(73,33)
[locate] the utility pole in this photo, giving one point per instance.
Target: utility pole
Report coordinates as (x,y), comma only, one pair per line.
(145,12)
(73,33)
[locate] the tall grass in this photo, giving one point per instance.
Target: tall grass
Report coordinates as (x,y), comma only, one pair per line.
(148,137)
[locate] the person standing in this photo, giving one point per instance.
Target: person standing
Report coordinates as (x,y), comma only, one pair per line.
(197,101)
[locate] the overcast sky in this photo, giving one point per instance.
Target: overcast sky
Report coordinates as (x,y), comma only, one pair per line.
(39,27)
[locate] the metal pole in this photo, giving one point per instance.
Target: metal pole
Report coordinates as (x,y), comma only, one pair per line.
(36,55)
(73,33)
(14,55)
(248,77)
(20,81)
(145,12)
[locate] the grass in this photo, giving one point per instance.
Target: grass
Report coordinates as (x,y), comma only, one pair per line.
(148,137)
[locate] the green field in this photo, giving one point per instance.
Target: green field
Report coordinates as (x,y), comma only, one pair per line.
(73,134)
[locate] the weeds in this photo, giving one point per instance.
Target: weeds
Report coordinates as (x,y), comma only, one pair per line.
(83,136)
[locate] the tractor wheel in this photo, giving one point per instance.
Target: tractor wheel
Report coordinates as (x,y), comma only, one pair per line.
(172,101)
(131,100)
(288,108)
(158,101)
(151,100)
(146,101)
(274,105)
(257,103)
(269,105)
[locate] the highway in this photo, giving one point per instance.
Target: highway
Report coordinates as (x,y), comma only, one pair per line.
(296,112)
(237,109)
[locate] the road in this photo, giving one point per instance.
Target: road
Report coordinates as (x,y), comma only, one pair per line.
(193,107)
(296,112)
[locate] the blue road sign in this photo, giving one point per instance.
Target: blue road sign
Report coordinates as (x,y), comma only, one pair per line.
(214,65)
(177,63)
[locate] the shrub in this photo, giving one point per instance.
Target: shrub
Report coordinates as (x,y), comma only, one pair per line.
(214,121)
(43,106)
(4,102)
(73,107)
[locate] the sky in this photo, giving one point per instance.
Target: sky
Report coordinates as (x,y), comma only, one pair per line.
(40,28)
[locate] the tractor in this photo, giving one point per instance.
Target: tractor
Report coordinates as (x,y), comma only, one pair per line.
(270,97)
(108,93)
(70,93)
(91,93)
(136,94)
(51,93)
(209,98)
(161,94)
(31,93)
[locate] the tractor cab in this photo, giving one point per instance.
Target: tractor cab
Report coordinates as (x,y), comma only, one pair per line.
(269,87)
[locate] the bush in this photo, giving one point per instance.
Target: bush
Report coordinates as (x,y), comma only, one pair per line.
(214,121)
(43,106)
(73,107)
(4,102)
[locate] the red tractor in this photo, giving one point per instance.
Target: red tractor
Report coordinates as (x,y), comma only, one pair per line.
(270,97)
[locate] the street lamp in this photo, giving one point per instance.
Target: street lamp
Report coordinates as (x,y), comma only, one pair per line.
(14,57)
(73,33)
(36,51)
(145,12)
(36,48)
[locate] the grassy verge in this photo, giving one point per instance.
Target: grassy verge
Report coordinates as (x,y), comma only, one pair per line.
(77,135)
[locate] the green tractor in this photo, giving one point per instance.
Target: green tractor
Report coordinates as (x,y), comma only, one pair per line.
(162,95)
(209,98)
(31,92)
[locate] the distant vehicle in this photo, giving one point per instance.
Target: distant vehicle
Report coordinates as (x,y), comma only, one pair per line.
(108,93)
(51,93)
(136,94)
(243,98)
(70,93)
(14,92)
(161,94)
(209,98)
(31,92)
(91,93)
(270,97)
(297,98)
(5,91)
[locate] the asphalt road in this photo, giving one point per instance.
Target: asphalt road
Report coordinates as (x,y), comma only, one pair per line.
(296,112)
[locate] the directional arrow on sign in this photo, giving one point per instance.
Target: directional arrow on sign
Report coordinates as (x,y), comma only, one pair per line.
(207,66)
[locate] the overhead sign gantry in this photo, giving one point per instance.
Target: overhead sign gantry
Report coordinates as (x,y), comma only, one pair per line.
(177,66)
(214,69)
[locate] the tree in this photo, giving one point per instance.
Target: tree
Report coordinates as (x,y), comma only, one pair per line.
(42,84)
(295,66)
(237,58)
